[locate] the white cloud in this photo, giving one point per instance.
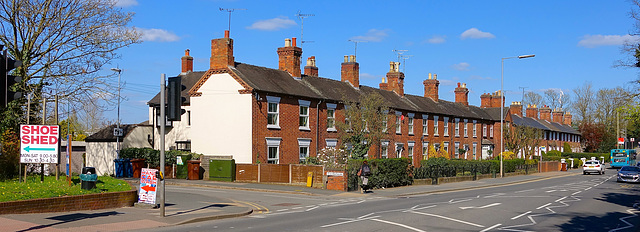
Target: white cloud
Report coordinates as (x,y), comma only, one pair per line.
(592,41)
(369,76)
(437,39)
(273,24)
(159,35)
(474,33)
(373,35)
(126,3)
(461,66)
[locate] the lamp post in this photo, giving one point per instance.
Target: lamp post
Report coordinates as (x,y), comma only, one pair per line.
(117,131)
(502,108)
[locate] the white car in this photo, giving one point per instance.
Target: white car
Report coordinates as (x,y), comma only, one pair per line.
(592,166)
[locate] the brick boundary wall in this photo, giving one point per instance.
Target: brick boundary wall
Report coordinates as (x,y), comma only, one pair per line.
(71,203)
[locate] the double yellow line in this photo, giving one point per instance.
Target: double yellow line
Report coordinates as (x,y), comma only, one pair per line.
(257,208)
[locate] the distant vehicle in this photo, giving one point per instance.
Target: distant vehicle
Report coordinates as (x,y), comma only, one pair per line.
(629,174)
(623,157)
(591,166)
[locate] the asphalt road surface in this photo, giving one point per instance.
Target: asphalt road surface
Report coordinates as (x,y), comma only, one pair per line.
(572,203)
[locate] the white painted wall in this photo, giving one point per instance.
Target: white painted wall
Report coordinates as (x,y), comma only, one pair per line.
(221,119)
(100,155)
(179,131)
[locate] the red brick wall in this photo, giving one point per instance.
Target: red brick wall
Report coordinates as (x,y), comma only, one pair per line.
(337,182)
(70,203)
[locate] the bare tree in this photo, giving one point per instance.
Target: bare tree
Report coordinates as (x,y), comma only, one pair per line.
(533,98)
(366,122)
(63,44)
(632,47)
(556,98)
(607,102)
(583,104)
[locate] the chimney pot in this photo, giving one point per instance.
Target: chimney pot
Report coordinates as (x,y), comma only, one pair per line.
(293,41)
(352,58)
(346,59)
(226,34)
(429,76)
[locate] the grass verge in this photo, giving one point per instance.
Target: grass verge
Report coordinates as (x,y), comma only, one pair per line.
(32,188)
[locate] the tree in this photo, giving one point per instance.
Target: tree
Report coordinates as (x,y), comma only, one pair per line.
(632,48)
(532,98)
(73,126)
(607,102)
(583,105)
(593,134)
(64,44)
(522,138)
(556,98)
(365,123)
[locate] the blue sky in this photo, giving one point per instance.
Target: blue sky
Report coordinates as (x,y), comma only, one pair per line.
(461,41)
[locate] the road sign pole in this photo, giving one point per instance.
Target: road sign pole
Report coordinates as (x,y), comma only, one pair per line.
(162,122)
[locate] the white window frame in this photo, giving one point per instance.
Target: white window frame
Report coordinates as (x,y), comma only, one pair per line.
(475,147)
(399,123)
(446,147)
(331,143)
(410,122)
(273,100)
(475,130)
(466,126)
(425,150)
(399,148)
(484,130)
(425,124)
(304,105)
(491,132)
(457,127)
(435,126)
(303,143)
(410,150)
(273,143)
(331,117)
(456,147)
(446,126)
(384,149)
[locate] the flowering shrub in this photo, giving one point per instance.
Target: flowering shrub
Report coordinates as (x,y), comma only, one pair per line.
(333,158)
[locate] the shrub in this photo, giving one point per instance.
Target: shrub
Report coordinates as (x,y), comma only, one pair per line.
(10,155)
(152,157)
(384,172)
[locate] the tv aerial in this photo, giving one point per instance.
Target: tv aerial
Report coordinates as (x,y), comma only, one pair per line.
(301,17)
(355,50)
(230,10)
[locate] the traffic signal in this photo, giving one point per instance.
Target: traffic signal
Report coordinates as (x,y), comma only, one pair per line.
(8,64)
(175,99)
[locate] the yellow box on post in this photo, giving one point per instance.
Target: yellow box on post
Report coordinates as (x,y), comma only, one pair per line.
(309,179)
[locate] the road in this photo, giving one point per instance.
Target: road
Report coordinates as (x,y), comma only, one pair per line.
(572,203)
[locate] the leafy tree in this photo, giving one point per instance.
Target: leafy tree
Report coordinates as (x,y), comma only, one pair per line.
(522,138)
(63,45)
(365,124)
(593,135)
(72,125)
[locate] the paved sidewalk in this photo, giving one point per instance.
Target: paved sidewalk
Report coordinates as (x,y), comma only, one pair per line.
(195,208)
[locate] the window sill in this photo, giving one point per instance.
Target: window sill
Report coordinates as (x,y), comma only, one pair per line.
(331,130)
(302,128)
(275,127)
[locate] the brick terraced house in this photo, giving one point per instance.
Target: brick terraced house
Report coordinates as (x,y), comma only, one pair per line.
(258,114)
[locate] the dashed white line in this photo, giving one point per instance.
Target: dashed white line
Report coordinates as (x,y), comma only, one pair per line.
(544,206)
(561,199)
(348,221)
(516,217)
(576,192)
(448,218)
(490,228)
(398,224)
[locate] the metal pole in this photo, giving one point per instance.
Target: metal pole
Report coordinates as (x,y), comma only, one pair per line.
(118,122)
(501,115)
(162,125)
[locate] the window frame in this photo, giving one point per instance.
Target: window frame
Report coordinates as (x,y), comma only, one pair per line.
(276,113)
(303,104)
(435,126)
(425,124)
(446,126)
(273,143)
(410,121)
(331,127)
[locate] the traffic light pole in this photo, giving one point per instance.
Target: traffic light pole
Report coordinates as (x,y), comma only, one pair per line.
(162,122)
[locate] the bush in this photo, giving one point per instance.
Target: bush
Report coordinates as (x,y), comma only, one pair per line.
(385,173)
(152,157)
(10,155)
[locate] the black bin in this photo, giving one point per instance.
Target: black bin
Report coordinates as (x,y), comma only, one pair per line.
(88,178)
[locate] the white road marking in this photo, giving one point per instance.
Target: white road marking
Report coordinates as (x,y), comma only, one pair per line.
(522,191)
(426,207)
(453,201)
(576,193)
(312,208)
(349,220)
(544,206)
(629,225)
(490,228)
(481,207)
(587,188)
(448,218)
(561,199)
(516,217)
(398,224)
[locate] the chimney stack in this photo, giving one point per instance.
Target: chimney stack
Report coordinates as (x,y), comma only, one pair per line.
(532,111)
(351,71)
(289,57)
(485,100)
(545,113)
(384,85)
(395,78)
(567,118)
(558,116)
(431,87)
(187,62)
(222,52)
(311,69)
(496,99)
(516,108)
(462,94)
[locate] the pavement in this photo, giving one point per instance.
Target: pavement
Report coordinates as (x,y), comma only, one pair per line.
(182,210)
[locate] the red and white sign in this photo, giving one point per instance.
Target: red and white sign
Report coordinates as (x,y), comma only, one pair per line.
(39,143)
(148,184)
(621,141)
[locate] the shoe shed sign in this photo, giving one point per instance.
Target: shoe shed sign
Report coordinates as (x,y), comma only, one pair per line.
(39,143)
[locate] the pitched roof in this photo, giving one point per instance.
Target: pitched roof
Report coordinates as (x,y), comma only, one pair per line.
(188,80)
(106,134)
(543,124)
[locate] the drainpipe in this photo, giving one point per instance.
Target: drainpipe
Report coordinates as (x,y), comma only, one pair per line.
(317,125)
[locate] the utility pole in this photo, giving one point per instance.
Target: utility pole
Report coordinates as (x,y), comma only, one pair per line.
(162,125)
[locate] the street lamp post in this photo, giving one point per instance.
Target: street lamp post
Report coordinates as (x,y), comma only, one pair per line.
(502,108)
(117,131)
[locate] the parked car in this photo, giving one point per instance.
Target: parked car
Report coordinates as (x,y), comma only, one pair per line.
(593,166)
(629,174)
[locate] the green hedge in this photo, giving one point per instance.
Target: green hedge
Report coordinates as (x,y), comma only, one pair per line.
(440,167)
(385,173)
(152,157)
